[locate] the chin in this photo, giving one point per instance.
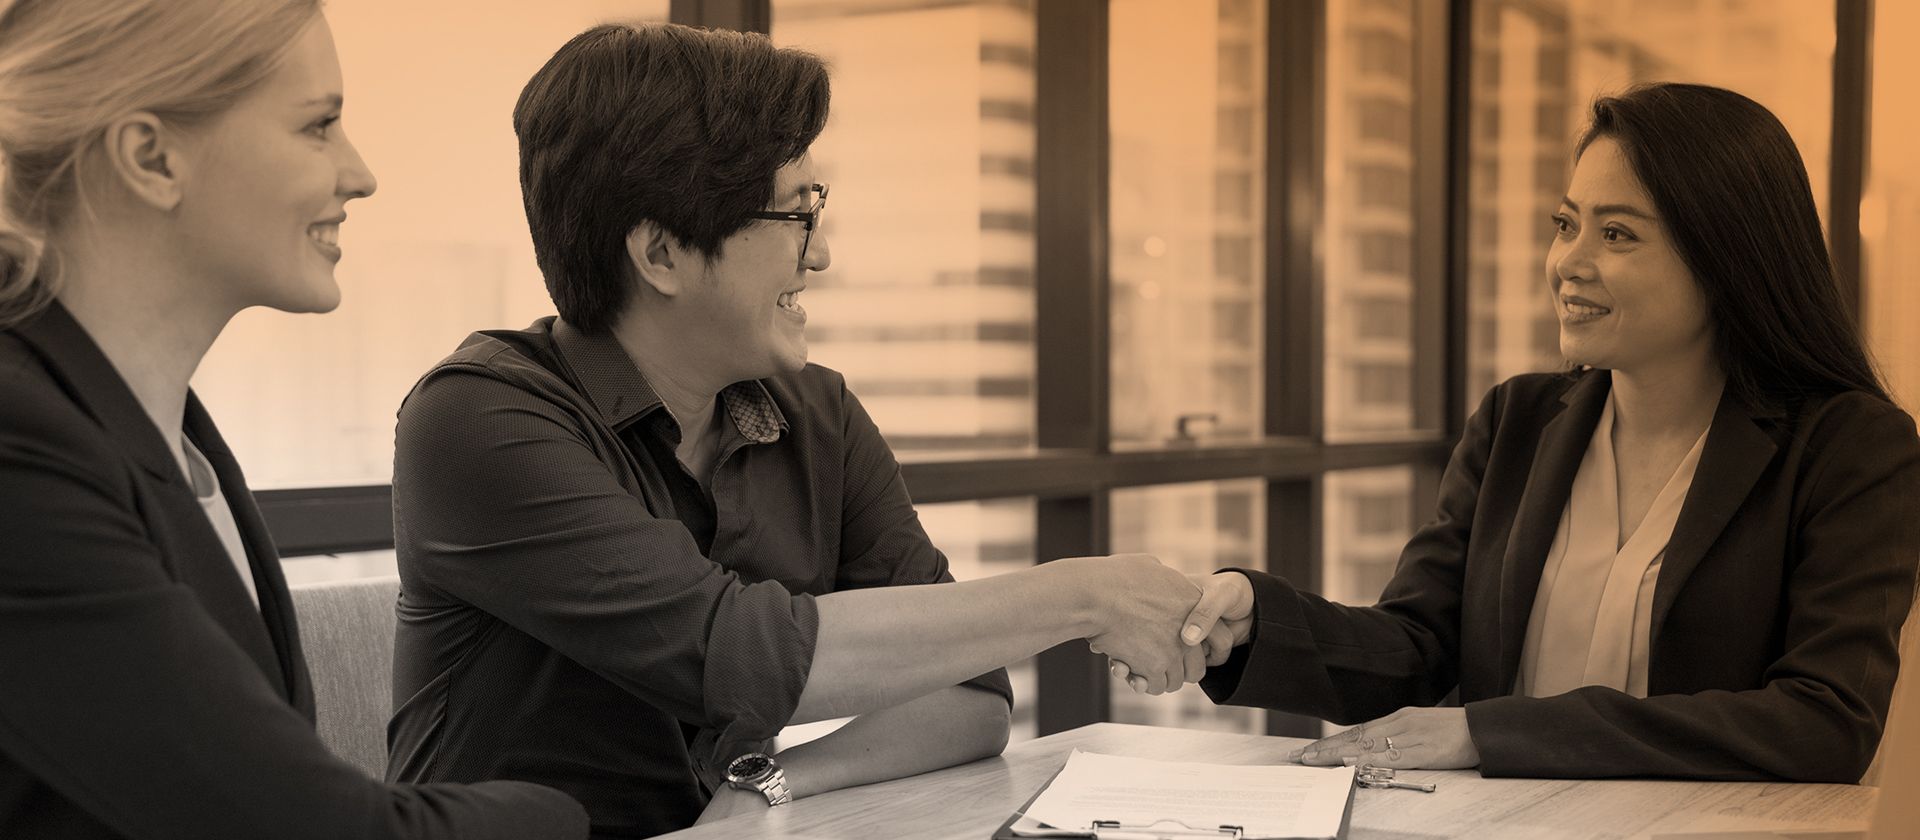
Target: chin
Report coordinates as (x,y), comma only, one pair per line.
(311,298)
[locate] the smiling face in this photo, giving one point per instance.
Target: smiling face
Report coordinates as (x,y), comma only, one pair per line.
(260,214)
(745,307)
(1625,298)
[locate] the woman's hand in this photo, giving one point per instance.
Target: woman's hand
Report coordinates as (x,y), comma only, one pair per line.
(1409,739)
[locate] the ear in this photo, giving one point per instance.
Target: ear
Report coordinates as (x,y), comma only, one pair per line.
(144,155)
(657,260)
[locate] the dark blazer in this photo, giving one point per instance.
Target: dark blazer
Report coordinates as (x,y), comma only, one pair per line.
(141,692)
(1775,616)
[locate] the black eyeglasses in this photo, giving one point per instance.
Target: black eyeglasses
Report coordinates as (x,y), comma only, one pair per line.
(809,217)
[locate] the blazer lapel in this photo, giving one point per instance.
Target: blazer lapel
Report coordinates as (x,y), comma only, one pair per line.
(1737,452)
(190,549)
(1556,459)
(270,582)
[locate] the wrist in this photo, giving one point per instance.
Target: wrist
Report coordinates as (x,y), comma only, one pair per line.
(1073,589)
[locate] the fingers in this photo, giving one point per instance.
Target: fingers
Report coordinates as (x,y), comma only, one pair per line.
(1214,598)
(1363,744)
(1125,674)
(1159,684)
(1219,644)
(1195,661)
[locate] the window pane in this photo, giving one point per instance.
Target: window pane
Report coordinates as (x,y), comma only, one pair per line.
(1890,210)
(928,307)
(1545,61)
(1187,106)
(1195,528)
(442,249)
(1366,519)
(1369,218)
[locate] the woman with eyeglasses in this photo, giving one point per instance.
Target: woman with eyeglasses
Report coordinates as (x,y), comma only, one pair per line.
(168,163)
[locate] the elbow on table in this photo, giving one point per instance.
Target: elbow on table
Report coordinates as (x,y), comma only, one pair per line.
(995,728)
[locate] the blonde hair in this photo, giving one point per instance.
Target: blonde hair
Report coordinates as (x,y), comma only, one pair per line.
(69,68)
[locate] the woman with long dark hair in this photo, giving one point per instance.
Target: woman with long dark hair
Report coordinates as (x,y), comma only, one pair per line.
(1690,556)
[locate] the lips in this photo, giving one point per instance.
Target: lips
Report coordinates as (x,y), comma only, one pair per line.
(1582,309)
(790,301)
(325,236)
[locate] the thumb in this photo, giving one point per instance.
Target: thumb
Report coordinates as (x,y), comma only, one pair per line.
(1206,613)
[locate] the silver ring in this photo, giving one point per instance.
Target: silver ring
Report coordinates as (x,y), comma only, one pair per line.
(1390,746)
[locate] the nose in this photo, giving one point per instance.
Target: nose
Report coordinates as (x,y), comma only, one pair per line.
(355,179)
(819,255)
(1571,262)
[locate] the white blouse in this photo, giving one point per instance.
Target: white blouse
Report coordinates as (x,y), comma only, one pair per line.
(206,488)
(1595,604)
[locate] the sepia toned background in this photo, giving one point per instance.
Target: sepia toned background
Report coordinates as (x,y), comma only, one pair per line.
(1217,280)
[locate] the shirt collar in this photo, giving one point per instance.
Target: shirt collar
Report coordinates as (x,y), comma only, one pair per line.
(621,393)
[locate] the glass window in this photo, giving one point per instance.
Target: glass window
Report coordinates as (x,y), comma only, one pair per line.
(442,249)
(1368,214)
(1890,210)
(1366,519)
(1540,63)
(1188,175)
(928,307)
(1195,528)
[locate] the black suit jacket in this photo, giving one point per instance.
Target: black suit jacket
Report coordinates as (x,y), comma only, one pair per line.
(141,692)
(1776,614)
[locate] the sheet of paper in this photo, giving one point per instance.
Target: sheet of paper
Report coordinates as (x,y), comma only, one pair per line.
(1276,801)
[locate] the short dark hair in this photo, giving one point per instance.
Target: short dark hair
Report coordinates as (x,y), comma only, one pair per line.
(1729,184)
(682,127)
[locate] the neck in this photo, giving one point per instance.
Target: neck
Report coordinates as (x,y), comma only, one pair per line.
(1678,397)
(687,384)
(151,322)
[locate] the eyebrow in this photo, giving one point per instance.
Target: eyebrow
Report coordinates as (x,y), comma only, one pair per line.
(1610,209)
(333,100)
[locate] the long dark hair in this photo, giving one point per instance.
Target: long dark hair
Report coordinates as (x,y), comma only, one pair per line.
(1729,183)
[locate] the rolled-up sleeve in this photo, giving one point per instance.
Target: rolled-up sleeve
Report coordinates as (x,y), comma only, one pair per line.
(504,501)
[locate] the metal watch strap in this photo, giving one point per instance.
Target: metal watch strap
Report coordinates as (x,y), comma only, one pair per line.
(774,788)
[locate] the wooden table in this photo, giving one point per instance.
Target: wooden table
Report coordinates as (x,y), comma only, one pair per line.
(971,801)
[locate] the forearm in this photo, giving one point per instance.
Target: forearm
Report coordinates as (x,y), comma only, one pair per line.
(1792,729)
(882,647)
(953,725)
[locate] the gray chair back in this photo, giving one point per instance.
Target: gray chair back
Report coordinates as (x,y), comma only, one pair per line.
(346,630)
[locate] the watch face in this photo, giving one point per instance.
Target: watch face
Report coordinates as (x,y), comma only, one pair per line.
(749,767)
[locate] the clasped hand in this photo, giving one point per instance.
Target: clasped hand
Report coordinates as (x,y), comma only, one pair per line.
(1163,629)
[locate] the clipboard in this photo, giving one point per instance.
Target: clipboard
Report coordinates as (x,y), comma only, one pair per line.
(1166,830)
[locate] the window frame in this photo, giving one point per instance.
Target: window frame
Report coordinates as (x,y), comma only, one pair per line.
(1076,466)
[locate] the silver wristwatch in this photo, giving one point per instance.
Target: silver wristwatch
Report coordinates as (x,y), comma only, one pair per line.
(758,771)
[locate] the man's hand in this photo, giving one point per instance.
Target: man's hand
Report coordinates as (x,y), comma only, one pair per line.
(1141,605)
(1409,739)
(732,801)
(1220,620)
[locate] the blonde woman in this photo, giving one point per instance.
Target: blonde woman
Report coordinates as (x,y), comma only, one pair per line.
(168,163)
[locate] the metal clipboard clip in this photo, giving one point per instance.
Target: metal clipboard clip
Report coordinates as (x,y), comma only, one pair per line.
(1172,830)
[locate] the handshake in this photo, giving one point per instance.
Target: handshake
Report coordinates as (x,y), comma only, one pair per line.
(1162,629)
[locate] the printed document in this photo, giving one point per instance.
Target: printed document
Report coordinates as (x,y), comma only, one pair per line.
(1264,801)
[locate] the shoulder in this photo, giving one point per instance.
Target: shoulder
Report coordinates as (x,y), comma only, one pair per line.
(814,391)
(490,370)
(42,427)
(1529,396)
(1851,426)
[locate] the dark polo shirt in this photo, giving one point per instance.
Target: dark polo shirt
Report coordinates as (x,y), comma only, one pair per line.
(575,610)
